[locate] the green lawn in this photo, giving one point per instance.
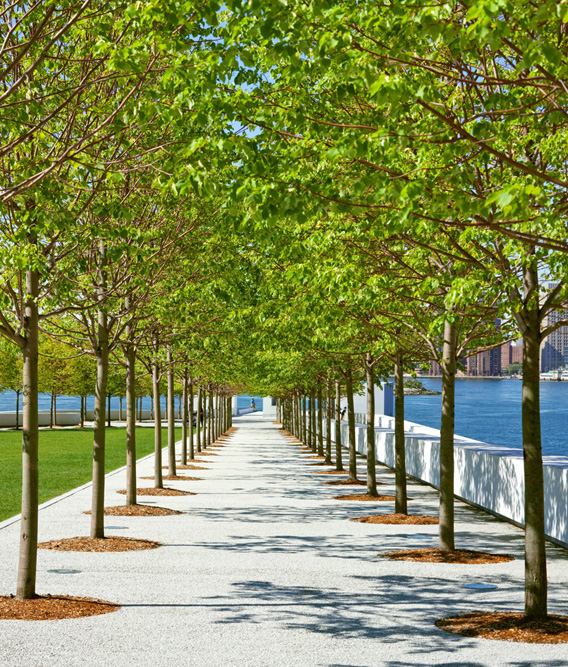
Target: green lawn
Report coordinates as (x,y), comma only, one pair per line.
(65,461)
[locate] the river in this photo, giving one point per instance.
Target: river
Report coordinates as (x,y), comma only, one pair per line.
(490,411)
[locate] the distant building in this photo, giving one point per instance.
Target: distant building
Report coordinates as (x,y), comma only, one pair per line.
(484,364)
(554,348)
(512,353)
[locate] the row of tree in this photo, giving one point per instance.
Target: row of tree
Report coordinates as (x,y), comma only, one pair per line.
(278,198)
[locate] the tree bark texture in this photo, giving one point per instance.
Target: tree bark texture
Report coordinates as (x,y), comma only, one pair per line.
(400,503)
(328,460)
(101,353)
(371,456)
(184,419)
(320,422)
(130,421)
(171,417)
(536,586)
(338,452)
(446,517)
(198,418)
(351,420)
(158,477)
(190,424)
(27,563)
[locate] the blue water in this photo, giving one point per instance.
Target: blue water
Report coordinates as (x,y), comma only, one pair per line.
(8,402)
(490,411)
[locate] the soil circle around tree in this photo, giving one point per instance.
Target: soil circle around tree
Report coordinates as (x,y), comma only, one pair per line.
(347,482)
(137,510)
(365,497)
(509,627)
(331,472)
(53,607)
(99,544)
(456,556)
(176,478)
(398,519)
(151,491)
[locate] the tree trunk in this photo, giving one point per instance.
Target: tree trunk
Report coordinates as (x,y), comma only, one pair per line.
(314,441)
(17,409)
(351,426)
(400,503)
(158,477)
(338,452)
(190,425)
(27,564)
(101,353)
(320,422)
(446,518)
(51,411)
(130,418)
(108,410)
(328,460)
(120,409)
(83,410)
(536,592)
(198,418)
(371,453)
(171,417)
(184,419)
(304,437)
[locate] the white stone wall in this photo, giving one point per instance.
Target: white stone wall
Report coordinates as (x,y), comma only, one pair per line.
(488,476)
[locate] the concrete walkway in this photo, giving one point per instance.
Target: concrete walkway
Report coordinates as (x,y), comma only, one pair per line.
(265,569)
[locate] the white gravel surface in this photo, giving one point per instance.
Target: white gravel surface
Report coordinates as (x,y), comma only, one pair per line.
(264,569)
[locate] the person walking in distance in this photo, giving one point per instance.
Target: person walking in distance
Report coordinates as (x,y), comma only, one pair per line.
(343,413)
(253,405)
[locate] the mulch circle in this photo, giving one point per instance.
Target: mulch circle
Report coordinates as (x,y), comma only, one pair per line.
(53,607)
(176,478)
(99,544)
(398,519)
(315,456)
(347,482)
(458,556)
(188,467)
(319,464)
(137,510)
(332,472)
(207,453)
(507,627)
(151,491)
(365,496)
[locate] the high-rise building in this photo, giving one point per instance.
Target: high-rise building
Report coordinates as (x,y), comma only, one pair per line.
(484,364)
(554,348)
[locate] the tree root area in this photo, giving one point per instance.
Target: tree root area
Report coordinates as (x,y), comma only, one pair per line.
(53,607)
(176,478)
(459,556)
(315,456)
(332,472)
(137,510)
(151,491)
(99,544)
(347,482)
(365,496)
(507,627)
(187,467)
(398,519)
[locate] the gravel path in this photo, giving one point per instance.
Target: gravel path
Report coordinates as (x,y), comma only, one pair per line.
(264,569)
